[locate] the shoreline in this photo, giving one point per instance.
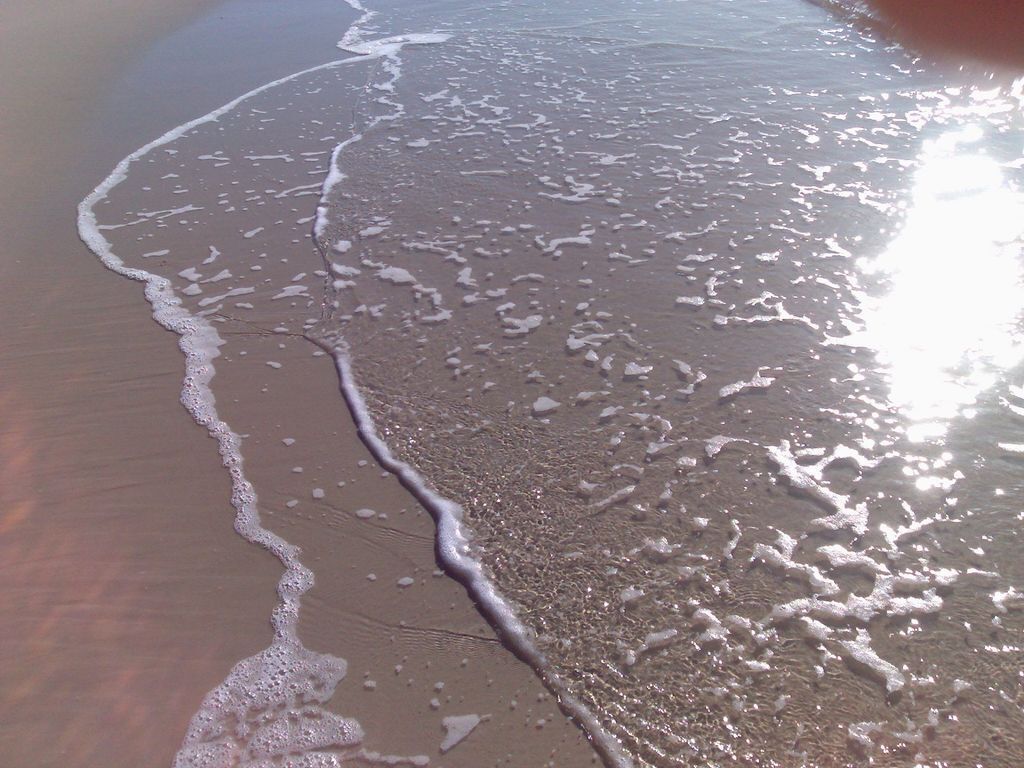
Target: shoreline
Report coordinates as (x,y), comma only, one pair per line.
(235,615)
(306,243)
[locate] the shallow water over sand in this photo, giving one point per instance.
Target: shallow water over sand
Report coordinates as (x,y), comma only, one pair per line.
(708,317)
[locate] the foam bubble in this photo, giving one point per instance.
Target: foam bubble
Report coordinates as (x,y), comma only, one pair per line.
(457,728)
(544,405)
(859,650)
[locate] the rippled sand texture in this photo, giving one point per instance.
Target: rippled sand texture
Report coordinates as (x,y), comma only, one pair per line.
(708,316)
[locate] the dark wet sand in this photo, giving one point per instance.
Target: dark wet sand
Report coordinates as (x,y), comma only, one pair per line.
(106,487)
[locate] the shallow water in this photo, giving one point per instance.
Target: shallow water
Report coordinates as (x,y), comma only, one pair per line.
(707,315)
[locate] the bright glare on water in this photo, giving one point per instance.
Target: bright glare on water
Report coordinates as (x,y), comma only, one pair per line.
(946,328)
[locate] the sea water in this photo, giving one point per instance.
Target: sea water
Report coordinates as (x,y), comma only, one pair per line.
(696,325)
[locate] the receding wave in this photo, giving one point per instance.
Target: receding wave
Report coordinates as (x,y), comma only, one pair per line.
(647,323)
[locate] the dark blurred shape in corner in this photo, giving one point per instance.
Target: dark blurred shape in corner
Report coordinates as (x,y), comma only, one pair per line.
(987,31)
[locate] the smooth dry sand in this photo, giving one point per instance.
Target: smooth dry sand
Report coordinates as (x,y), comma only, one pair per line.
(127,595)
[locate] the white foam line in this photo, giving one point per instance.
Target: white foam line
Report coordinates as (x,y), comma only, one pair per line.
(334,177)
(200,342)
(387,48)
(354,32)
(310,676)
(453,548)
(456,556)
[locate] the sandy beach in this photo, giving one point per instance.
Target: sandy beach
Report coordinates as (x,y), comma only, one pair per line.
(128,595)
(401,383)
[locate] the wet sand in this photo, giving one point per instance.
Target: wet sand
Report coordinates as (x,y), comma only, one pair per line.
(107,488)
(128,596)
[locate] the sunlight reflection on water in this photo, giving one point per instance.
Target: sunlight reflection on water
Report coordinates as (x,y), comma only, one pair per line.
(946,328)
